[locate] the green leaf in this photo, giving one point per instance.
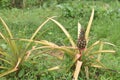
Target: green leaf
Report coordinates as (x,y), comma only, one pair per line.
(21,73)
(6,61)
(100,48)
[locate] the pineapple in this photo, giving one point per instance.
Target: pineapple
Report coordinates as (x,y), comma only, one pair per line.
(81,44)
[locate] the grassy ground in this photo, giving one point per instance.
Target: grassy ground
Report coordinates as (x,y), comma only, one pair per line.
(105,27)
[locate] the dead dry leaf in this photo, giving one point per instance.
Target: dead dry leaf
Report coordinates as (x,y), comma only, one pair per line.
(77,70)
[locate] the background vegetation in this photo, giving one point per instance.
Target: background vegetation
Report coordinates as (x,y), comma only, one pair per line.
(24,16)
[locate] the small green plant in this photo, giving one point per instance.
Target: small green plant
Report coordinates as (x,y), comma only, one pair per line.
(12,52)
(9,60)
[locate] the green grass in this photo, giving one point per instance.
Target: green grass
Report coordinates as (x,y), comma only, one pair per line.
(105,27)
